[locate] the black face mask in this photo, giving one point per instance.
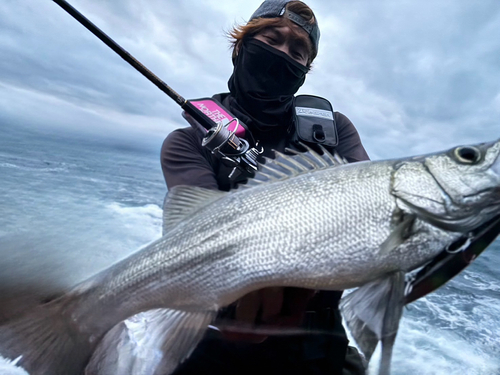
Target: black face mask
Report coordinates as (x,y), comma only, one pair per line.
(263,83)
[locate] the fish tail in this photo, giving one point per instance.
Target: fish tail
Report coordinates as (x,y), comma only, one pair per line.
(46,340)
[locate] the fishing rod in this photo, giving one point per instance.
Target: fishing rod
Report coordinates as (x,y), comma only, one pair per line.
(219,126)
(189,108)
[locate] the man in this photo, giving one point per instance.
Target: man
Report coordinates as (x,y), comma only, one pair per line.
(271,55)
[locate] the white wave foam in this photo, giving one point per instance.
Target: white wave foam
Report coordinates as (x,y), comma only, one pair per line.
(33,169)
(143,222)
(447,333)
(8,165)
(426,350)
(478,281)
(473,318)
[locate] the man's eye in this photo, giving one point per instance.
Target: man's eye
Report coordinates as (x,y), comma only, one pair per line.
(271,39)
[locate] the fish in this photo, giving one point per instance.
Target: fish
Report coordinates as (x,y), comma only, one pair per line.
(305,220)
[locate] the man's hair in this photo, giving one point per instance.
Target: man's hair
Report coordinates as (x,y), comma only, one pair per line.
(253,27)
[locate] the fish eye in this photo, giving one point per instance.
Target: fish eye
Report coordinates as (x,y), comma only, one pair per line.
(467,154)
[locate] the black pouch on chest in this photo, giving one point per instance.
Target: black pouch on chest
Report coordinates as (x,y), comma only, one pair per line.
(314,121)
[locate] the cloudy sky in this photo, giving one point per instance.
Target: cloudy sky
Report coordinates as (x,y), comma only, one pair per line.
(413,76)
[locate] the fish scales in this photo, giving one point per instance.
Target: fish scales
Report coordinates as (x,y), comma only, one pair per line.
(273,228)
(274,238)
(329,227)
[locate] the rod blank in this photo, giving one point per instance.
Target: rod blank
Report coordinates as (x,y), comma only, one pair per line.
(121,52)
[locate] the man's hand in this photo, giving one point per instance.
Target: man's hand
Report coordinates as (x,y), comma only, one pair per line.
(268,301)
(269,306)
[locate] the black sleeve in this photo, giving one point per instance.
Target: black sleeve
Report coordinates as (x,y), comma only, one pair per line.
(183,161)
(350,146)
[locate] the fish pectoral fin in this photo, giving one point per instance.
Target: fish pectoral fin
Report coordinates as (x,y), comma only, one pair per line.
(153,342)
(182,201)
(398,235)
(372,314)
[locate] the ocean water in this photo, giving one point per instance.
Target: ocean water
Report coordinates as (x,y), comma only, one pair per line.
(71,205)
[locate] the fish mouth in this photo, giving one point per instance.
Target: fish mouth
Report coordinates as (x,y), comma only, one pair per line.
(461,224)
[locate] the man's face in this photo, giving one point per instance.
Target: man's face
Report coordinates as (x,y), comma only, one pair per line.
(294,41)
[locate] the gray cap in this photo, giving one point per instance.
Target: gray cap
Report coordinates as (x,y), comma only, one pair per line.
(276,8)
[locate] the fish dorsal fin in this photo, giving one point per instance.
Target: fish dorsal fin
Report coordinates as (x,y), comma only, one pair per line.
(285,166)
(182,201)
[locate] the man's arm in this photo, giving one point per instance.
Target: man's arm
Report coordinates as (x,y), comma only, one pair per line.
(183,161)
(350,146)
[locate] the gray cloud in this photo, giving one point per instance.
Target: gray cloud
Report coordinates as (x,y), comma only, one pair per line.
(414,77)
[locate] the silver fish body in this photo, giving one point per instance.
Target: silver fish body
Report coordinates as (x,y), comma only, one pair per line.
(323,230)
(303,221)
